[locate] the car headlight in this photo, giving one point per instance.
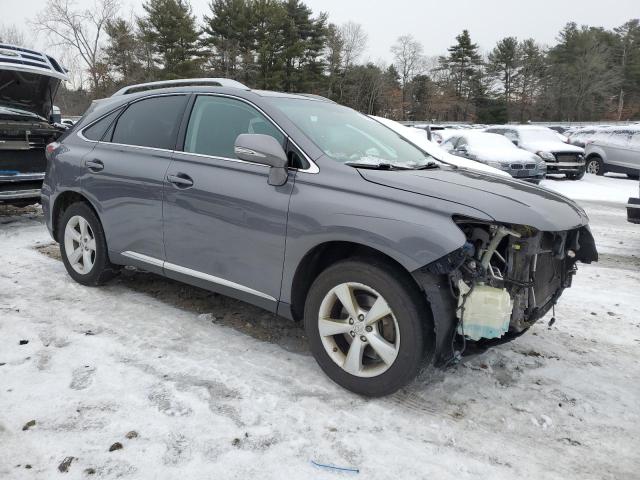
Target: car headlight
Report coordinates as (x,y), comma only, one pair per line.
(547,156)
(498,165)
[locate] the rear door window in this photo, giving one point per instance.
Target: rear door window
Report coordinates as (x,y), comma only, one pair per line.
(216,122)
(151,122)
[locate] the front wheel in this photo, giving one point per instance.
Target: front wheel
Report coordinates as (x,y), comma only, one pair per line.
(595,165)
(83,246)
(369,328)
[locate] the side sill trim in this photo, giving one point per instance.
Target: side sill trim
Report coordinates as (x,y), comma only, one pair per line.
(194,273)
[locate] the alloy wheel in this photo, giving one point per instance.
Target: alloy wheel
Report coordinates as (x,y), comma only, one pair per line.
(358,329)
(593,167)
(80,244)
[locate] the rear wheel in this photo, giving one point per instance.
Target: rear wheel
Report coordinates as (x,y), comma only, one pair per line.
(366,324)
(83,246)
(595,165)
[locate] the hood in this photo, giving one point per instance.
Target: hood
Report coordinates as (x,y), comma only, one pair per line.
(503,199)
(504,155)
(28,91)
(553,147)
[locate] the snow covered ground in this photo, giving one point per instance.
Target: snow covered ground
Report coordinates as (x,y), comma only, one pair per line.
(213,388)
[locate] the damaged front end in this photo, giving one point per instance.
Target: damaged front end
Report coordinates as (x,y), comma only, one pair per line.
(505,277)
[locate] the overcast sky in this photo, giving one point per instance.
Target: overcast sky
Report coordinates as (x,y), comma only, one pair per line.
(434,22)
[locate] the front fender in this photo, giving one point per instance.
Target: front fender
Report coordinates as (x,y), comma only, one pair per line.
(412,234)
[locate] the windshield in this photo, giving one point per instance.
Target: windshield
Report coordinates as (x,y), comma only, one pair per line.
(538,135)
(347,136)
(489,140)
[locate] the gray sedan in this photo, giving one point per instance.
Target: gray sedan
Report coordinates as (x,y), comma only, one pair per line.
(497,151)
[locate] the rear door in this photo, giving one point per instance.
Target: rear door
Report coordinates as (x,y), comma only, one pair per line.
(224,225)
(125,176)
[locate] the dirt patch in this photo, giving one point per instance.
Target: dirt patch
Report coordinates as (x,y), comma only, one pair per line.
(213,308)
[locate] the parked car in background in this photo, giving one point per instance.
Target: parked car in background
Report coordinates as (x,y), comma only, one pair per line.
(29,81)
(633,208)
(390,256)
(580,136)
(498,152)
(419,138)
(560,157)
(614,149)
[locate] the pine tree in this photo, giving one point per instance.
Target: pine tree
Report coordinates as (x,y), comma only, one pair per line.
(503,65)
(170,27)
(227,33)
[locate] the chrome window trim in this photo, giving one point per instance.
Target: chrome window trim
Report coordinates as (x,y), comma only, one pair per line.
(195,273)
(80,134)
(313,168)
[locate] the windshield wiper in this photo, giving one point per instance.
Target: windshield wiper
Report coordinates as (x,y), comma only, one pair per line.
(427,166)
(377,166)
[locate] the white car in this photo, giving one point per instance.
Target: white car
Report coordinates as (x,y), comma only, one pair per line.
(560,156)
(419,139)
(497,151)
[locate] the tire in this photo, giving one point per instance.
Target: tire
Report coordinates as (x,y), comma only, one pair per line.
(595,165)
(80,218)
(403,330)
(576,176)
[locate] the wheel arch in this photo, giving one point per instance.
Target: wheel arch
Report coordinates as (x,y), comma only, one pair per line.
(325,254)
(63,201)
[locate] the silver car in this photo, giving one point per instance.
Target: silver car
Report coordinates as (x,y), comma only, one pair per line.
(614,149)
(498,152)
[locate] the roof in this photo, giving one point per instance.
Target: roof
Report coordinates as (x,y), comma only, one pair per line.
(26,60)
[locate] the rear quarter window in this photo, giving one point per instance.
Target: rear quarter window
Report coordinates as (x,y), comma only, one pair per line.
(96,132)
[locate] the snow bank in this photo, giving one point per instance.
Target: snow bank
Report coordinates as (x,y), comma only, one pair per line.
(608,188)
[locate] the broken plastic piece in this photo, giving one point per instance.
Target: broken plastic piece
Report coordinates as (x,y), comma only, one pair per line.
(333,467)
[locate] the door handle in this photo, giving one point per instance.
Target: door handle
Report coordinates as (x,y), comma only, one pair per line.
(94,165)
(180,180)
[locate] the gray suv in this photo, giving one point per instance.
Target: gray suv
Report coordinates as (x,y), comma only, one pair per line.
(314,212)
(614,149)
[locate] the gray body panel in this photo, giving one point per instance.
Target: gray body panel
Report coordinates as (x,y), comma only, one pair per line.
(233,233)
(230,224)
(619,149)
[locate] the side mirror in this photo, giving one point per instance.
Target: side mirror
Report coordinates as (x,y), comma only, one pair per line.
(462,149)
(265,150)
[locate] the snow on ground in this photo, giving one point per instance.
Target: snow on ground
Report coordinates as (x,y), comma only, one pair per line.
(609,188)
(214,388)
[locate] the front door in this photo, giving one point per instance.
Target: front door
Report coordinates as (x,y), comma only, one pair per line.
(224,225)
(125,175)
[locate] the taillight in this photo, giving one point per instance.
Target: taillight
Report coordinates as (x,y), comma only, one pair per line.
(51,147)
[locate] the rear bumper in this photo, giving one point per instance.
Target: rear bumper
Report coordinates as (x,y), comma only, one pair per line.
(21,186)
(633,210)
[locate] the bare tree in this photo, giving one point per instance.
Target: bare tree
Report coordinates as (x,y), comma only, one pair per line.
(12,35)
(409,61)
(81,30)
(354,43)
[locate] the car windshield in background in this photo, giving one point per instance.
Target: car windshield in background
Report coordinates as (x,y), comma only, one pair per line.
(347,136)
(539,135)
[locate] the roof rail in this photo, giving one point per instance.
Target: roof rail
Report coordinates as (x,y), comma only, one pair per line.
(183,82)
(315,97)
